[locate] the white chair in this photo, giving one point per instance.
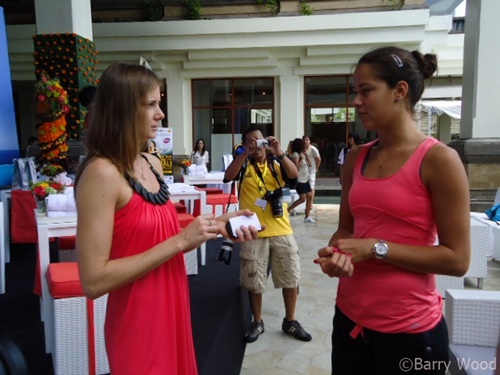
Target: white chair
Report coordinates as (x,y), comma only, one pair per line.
(478,267)
(473,320)
(71,314)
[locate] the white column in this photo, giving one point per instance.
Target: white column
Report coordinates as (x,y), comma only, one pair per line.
(291,108)
(480,95)
(180,114)
(64,16)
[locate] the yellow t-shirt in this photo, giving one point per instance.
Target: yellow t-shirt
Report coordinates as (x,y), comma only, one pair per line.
(252,189)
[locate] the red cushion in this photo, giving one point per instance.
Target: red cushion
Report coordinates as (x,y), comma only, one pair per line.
(64,280)
(216,200)
(67,243)
(180,207)
(210,190)
(185,219)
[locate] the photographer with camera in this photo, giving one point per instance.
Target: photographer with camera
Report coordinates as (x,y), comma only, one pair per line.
(259,170)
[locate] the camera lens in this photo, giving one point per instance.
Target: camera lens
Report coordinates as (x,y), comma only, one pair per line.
(277,207)
(226,251)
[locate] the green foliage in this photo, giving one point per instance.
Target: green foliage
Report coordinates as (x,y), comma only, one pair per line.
(305,9)
(154,10)
(192,9)
(271,5)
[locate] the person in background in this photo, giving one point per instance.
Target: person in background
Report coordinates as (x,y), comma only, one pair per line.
(33,148)
(353,140)
(315,159)
(129,243)
(404,217)
(153,149)
(259,169)
(302,162)
(200,155)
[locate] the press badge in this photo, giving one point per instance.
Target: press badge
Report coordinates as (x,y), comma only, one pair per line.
(262,203)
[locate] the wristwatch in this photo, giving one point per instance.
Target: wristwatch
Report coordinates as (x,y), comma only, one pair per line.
(380,249)
(282,156)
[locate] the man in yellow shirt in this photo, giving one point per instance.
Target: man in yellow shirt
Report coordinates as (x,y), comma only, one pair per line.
(260,191)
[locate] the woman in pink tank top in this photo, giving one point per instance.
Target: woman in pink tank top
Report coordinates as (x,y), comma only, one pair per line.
(399,194)
(129,242)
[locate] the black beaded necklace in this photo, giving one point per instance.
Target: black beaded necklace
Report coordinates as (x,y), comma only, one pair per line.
(160,197)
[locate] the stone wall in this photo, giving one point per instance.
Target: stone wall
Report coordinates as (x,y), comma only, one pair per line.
(481,158)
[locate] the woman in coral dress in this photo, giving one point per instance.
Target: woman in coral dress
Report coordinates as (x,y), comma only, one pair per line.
(129,242)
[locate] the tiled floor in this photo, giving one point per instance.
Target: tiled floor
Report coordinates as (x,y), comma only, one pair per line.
(275,353)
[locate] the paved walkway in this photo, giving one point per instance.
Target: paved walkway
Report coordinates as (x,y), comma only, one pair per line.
(275,353)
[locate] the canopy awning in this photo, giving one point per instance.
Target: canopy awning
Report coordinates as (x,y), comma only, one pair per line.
(452,108)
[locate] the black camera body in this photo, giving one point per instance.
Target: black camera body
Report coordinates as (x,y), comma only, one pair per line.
(274,199)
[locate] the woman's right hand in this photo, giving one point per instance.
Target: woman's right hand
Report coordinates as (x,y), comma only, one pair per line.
(200,230)
(334,263)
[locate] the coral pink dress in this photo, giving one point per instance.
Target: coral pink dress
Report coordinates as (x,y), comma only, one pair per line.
(148,322)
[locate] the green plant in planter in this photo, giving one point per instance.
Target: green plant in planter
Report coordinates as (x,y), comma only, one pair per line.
(305,9)
(192,9)
(271,5)
(154,10)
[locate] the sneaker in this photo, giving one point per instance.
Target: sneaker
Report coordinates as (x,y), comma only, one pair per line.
(256,329)
(295,329)
(309,219)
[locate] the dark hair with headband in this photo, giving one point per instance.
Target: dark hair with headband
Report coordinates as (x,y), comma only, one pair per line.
(394,64)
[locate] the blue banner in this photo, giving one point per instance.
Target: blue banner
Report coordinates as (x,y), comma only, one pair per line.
(9,147)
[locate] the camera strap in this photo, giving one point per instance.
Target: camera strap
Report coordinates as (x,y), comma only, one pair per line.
(270,164)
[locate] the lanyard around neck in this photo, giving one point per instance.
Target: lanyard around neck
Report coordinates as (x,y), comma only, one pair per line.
(267,167)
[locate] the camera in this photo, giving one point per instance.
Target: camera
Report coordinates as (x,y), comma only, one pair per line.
(226,251)
(262,143)
(274,198)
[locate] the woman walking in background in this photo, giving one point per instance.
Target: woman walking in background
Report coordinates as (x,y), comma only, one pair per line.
(302,162)
(400,193)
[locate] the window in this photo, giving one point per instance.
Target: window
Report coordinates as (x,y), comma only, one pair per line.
(224,108)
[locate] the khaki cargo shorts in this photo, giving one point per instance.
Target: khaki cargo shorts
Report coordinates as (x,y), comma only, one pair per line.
(280,252)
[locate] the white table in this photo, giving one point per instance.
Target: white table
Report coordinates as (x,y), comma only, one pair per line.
(180,191)
(493,233)
(211,178)
(5,198)
(66,226)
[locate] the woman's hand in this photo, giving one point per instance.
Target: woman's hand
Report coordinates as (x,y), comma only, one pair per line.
(334,263)
(244,233)
(359,249)
(200,230)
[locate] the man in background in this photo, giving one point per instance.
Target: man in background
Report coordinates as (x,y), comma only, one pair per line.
(315,158)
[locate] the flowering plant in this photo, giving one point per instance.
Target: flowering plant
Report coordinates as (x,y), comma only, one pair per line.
(42,189)
(51,170)
(185,163)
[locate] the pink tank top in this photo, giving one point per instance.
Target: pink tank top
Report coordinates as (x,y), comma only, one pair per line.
(398,208)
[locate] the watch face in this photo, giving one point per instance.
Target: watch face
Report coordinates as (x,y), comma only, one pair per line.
(381,249)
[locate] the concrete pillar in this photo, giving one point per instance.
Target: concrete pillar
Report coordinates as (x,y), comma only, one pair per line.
(479,143)
(444,128)
(64,16)
(290,116)
(180,113)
